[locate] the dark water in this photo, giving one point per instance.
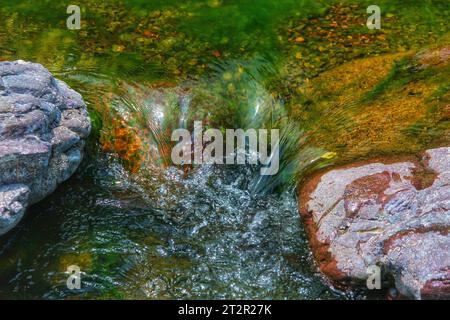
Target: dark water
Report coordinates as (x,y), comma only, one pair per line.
(204,236)
(217,232)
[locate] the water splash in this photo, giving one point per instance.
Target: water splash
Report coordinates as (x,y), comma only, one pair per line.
(234,96)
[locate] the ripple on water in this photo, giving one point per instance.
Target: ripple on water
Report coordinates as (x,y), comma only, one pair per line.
(206,237)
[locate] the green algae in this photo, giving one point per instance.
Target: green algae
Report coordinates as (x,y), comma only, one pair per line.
(338,91)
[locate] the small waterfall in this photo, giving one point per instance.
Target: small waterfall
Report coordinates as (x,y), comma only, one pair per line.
(185,101)
(234,97)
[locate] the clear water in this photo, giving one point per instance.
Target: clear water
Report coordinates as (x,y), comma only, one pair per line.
(158,232)
(161,233)
(200,236)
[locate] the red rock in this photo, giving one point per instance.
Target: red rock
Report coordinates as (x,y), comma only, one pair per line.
(392,214)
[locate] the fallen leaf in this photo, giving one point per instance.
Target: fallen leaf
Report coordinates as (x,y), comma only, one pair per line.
(328,155)
(118,48)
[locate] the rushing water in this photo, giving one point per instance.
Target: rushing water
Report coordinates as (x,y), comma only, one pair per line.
(162,232)
(206,236)
(138,227)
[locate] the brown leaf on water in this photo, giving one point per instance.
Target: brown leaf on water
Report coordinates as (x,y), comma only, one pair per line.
(150,34)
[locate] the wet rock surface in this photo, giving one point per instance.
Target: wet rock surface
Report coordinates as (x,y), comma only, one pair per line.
(391,213)
(43,124)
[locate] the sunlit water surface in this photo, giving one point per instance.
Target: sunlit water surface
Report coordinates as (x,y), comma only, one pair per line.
(200,236)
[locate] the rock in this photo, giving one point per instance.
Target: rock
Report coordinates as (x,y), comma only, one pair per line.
(13,201)
(43,125)
(394,214)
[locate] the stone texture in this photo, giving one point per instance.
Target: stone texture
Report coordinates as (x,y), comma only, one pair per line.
(43,124)
(392,214)
(13,202)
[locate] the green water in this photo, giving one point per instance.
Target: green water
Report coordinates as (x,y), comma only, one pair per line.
(155,234)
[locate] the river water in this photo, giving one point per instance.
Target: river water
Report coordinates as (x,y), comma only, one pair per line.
(136,226)
(200,236)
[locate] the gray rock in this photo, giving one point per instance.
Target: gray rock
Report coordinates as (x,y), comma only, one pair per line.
(13,202)
(392,214)
(43,125)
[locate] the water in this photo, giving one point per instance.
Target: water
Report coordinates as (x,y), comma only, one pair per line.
(160,232)
(139,228)
(200,236)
